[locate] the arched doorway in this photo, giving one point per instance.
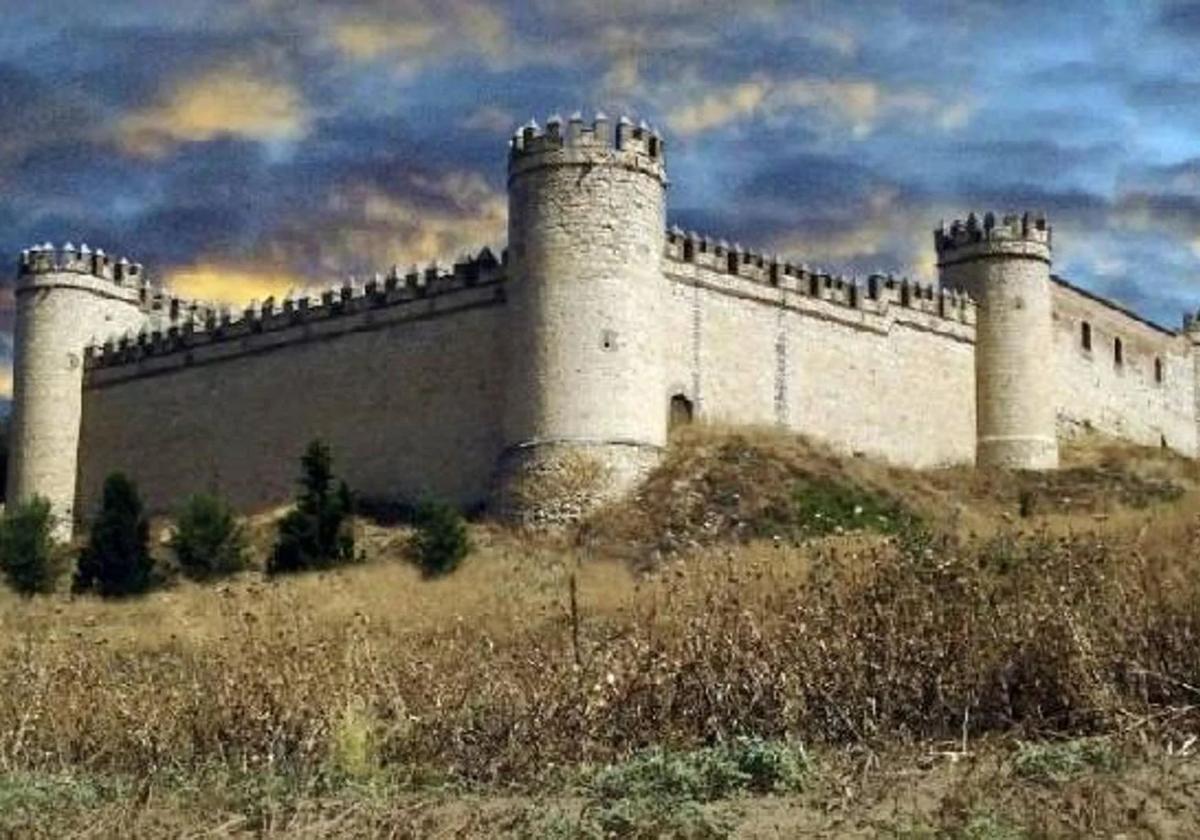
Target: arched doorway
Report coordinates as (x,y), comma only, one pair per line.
(680,413)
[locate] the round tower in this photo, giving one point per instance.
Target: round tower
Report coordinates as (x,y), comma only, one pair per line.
(1005,267)
(1191,330)
(585,413)
(65,301)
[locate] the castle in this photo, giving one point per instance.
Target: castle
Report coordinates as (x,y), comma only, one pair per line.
(544,380)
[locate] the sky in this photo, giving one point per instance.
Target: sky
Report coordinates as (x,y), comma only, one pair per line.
(241,148)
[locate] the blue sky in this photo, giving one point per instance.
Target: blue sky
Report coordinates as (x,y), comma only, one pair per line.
(239,148)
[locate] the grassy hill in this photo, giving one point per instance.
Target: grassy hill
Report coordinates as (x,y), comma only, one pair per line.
(766,640)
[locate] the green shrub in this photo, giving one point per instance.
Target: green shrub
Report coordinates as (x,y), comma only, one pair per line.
(1062,761)
(31,561)
(709,773)
(116,560)
(441,541)
(316,534)
(208,542)
(820,506)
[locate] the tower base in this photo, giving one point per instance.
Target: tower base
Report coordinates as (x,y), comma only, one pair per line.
(552,483)
(1017,453)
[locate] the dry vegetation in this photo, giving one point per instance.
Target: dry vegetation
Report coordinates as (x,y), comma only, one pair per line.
(922,661)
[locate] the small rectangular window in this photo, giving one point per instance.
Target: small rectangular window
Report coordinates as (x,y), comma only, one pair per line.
(1085,335)
(1158,371)
(1118,352)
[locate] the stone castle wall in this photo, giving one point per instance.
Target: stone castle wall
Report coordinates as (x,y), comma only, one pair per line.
(406,381)
(505,382)
(884,369)
(402,379)
(1125,399)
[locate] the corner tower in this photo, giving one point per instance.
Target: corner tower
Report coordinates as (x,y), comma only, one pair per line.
(585,413)
(65,300)
(1005,267)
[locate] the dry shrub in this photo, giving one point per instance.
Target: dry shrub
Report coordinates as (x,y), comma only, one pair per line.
(718,486)
(1028,634)
(1099,475)
(488,675)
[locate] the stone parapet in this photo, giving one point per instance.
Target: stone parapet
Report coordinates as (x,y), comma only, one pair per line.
(192,325)
(46,259)
(1013,236)
(875,293)
(574,143)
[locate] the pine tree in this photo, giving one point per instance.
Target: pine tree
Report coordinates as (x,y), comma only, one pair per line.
(116,560)
(316,534)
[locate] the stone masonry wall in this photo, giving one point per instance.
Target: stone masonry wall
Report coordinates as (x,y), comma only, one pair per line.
(58,314)
(586,221)
(1125,400)
(406,391)
(889,376)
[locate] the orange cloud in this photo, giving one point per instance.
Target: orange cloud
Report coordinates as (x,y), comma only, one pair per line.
(232,101)
(6,383)
(234,284)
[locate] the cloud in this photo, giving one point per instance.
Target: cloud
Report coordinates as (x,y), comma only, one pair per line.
(364,227)
(223,282)
(491,119)
(718,108)
(856,104)
(404,29)
(367,40)
(1181,18)
(231,101)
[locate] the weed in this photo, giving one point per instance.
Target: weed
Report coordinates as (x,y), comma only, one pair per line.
(975,826)
(353,747)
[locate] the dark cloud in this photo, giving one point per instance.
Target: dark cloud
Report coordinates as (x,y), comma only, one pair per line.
(877,121)
(1181,18)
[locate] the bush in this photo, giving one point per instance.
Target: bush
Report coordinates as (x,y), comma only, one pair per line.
(441,541)
(208,542)
(116,560)
(708,773)
(316,534)
(29,558)
(1059,762)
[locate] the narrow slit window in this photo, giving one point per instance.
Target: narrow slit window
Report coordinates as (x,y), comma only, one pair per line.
(1085,335)
(1118,352)
(1158,371)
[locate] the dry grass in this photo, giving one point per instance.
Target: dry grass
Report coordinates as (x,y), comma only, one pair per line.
(859,643)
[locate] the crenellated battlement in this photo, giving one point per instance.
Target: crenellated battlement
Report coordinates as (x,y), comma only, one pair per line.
(873,293)
(46,259)
(575,142)
(1027,233)
(184,325)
